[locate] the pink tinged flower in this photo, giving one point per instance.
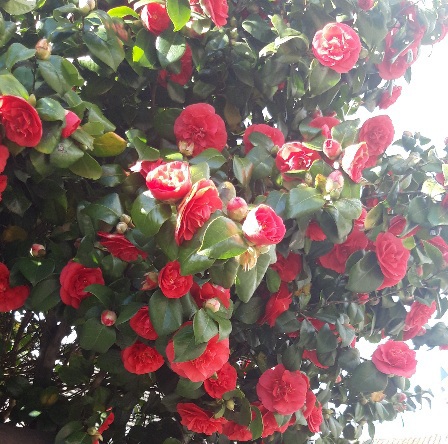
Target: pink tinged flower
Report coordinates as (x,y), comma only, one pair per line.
(274,134)
(72,121)
(354,160)
(332,148)
(108,318)
(263,227)
(155,18)
(237,209)
(217,10)
(387,99)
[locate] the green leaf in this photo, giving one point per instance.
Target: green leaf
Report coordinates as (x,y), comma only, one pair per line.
(212,157)
(44,295)
(15,201)
(102,293)
(179,12)
(127,311)
(322,78)
(248,281)
(87,167)
(52,72)
(165,313)
(164,122)
(374,216)
(277,200)
(346,133)
(204,326)
(170,47)
(107,209)
(365,276)
(258,29)
(149,214)
(262,162)
(144,50)
(9,85)
(222,239)
(112,175)
(250,312)
(18,7)
(50,110)
(224,274)
(242,168)
(256,423)
(186,347)
(303,201)
(418,210)
(349,359)
(326,340)
(17,53)
(123,11)
(96,336)
(65,154)
(109,144)
(36,270)
(187,389)
(367,379)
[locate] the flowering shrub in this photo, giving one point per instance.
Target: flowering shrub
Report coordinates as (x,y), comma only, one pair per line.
(196,229)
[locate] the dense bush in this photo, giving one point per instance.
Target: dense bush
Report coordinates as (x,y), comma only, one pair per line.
(196,230)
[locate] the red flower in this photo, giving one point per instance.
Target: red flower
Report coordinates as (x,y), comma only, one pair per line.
(309,404)
(3,183)
(140,358)
(294,156)
(199,369)
(332,149)
(20,120)
(378,133)
(200,421)
(274,134)
(155,18)
(366,5)
(237,432)
(72,121)
(196,209)
(311,355)
(120,247)
(11,298)
(337,257)
(417,317)
(397,225)
(172,283)
(270,425)
(278,303)
(263,227)
(199,127)
(325,123)
(142,325)
(440,243)
(314,231)
(186,70)
(387,99)
(222,382)
(282,391)
(395,358)
(217,10)
(169,182)
(146,166)
(288,268)
(105,425)
(337,46)
(354,160)
(210,291)
(315,419)
(392,257)
(74,278)
(4,154)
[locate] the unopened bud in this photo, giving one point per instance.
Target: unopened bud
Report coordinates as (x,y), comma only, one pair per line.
(92,431)
(226,192)
(125,218)
(151,281)
(186,149)
(32,100)
(335,183)
(212,304)
(121,227)
(37,250)
(237,209)
(230,404)
(108,318)
(332,149)
(85,6)
(43,49)
(377,396)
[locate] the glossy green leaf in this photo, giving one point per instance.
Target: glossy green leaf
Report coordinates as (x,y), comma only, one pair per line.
(109,144)
(9,85)
(96,336)
(365,276)
(204,327)
(17,53)
(149,214)
(65,154)
(18,7)
(186,347)
(87,167)
(170,47)
(50,110)
(179,12)
(165,313)
(144,51)
(212,157)
(322,78)
(303,201)
(248,281)
(367,379)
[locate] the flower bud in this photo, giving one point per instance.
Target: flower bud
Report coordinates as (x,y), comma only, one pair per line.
(37,250)
(212,304)
(248,259)
(121,227)
(151,281)
(334,185)
(186,149)
(332,149)
(377,396)
(125,218)
(230,404)
(32,100)
(108,318)
(226,192)
(237,209)
(85,6)
(43,49)
(92,431)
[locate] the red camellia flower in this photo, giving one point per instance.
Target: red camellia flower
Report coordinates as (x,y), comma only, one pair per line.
(146,166)
(337,257)
(140,358)
(315,232)
(11,298)
(142,325)
(392,257)
(395,358)
(440,243)
(3,183)
(294,156)
(120,247)
(310,402)
(417,317)
(315,419)
(366,5)
(237,432)
(354,160)
(72,121)
(169,182)
(270,425)
(337,46)
(282,391)
(277,304)
(332,148)
(263,227)
(198,420)
(172,283)
(198,127)
(199,369)
(325,123)
(397,225)
(20,121)
(222,382)
(196,209)
(4,154)
(186,70)
(288,268)
(274,134)
(155,18)
(217,10)
(387,99)
(110,418)
(311,355)
(378,133)
(210,291)
(74,278)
